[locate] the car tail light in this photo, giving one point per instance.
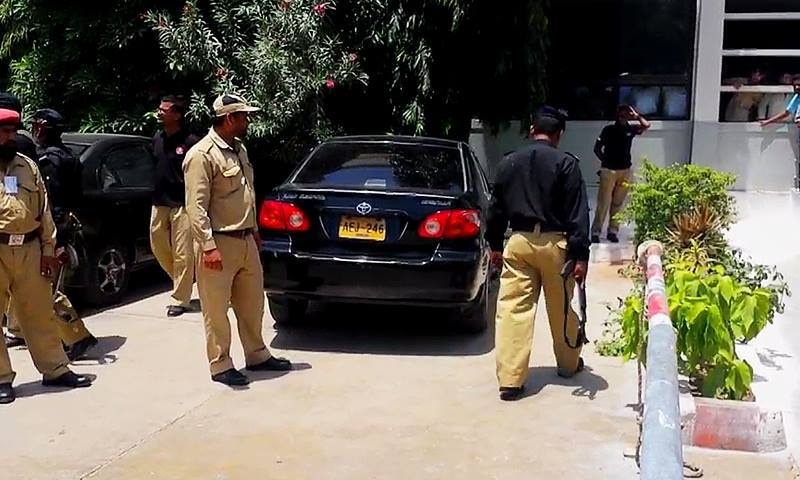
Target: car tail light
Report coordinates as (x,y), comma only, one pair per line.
(451,224)
(283,217)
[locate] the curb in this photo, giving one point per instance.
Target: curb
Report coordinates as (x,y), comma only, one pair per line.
(731,425)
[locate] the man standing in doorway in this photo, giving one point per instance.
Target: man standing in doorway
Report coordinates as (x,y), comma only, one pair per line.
(613,148)
(221,204)
(170,235)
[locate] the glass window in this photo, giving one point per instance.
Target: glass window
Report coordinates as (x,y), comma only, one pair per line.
(761,6)
(607,52)
(384,166)
(129,166)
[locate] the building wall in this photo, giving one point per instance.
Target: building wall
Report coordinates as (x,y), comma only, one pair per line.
(664,144)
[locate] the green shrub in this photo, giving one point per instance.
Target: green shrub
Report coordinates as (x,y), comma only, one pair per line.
(662,194)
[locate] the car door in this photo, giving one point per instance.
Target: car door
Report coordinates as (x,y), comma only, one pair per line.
(125,177)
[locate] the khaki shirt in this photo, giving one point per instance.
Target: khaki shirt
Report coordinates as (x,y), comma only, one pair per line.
(220,196)
(27,210)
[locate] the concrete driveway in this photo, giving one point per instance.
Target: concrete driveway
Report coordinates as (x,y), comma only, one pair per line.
(378,394)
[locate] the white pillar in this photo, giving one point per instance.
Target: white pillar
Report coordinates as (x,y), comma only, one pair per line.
(707,81)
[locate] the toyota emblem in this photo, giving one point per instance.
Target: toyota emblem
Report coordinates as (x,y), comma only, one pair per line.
(363,208)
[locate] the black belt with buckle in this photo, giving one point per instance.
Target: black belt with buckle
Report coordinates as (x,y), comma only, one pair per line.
(234,233)
(16,240)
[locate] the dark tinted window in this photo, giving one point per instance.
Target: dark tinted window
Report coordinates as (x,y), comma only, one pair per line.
(127,166)
(761,6)
(77,149)
(384,167)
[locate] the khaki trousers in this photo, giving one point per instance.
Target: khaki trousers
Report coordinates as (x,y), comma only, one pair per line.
(71,328)
(20,278)
(171,242)
(532,261)
(610,199)
(240,284)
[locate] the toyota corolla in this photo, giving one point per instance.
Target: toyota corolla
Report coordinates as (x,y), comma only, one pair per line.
(379,219)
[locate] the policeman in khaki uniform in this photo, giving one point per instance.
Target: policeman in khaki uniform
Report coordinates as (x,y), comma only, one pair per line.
(61,172)
(540,192)
(27,263)
(221,204)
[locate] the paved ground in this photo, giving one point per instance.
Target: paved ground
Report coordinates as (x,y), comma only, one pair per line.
(379,394)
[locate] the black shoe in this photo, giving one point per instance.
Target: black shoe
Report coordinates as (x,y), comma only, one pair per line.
(613,238)
(69,380)
(231,378)
(79,349)
(271,364)
(577,370)
(595,238)
(7,394)
(509,394)
(12,341)
(176,310)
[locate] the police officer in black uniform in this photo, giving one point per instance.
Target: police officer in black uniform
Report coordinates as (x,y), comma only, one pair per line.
(540,192)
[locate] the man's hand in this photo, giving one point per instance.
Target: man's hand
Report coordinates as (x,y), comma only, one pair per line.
(581,268)
(212,260)
(633,113)
(49,266)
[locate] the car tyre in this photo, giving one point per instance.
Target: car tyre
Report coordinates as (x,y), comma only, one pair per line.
(287,310)
(474,318)
(109,270)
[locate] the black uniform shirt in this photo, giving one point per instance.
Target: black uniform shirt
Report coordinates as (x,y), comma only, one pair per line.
(169,188)
(541,185)
(616,140)
(62,174)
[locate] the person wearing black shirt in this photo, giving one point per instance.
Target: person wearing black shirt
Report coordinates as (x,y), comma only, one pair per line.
(613,148)
(540,193)
(170,234)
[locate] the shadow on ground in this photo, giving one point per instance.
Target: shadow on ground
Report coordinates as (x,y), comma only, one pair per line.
(586,383)
(31,389)
(385,330)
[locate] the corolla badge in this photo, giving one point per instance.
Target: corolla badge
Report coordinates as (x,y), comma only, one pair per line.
(363,208)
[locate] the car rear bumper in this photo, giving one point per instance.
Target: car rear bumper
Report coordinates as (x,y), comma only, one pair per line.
(450,278)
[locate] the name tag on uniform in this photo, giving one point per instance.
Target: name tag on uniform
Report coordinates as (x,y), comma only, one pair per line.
(10,183)
(16,240)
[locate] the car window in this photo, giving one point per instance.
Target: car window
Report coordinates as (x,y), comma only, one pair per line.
(384,166)
(128,166)
(481,174)
(77,149)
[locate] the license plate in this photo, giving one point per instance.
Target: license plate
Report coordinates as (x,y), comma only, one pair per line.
(363,228)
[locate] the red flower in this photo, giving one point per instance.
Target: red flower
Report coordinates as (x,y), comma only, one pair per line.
(187,9)
(221,72)
(285,4)
(320,8)
(330,84)
(142,16)
(352,57)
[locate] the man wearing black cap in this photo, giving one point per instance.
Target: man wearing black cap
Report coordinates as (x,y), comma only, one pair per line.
(61,172)
(540,192)
(28,263)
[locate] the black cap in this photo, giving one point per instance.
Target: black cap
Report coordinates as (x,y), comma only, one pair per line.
(49,118)
(550,119)
(11,102)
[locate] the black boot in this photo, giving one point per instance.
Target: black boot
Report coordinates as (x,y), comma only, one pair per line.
(231,378)
(79,349)
(275,364)
(69,380)
(7,394)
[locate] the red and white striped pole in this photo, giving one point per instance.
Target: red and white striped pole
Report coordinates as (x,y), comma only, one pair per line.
(662,451)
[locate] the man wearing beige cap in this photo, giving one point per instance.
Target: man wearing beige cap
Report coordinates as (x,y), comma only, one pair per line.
(221,204)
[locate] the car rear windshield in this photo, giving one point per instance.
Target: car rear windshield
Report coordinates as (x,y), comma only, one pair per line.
(384,166)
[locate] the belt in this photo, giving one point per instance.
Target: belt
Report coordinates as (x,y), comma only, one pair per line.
(16,240)
(532,226)
(235,233)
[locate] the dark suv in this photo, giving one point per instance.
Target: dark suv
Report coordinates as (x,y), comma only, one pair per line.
(114,214)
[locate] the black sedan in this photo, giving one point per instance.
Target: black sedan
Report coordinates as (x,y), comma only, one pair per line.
(112,237)
(380,219)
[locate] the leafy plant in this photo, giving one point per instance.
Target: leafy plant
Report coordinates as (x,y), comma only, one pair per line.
(662,195)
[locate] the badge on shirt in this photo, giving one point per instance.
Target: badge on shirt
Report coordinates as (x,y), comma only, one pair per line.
(10,182)
(180,150)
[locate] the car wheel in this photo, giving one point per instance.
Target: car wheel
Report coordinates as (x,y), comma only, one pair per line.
(108,275)
(287,310)
(474,318)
